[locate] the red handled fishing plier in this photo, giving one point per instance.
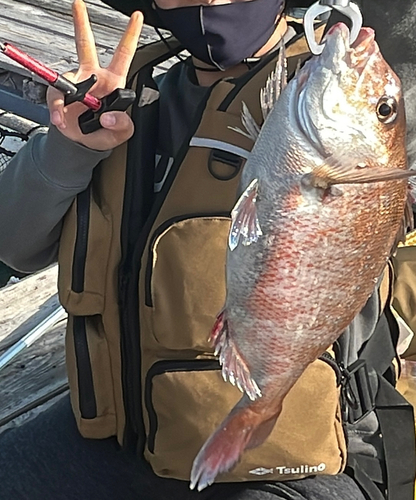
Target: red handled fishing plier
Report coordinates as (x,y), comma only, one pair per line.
(118,100)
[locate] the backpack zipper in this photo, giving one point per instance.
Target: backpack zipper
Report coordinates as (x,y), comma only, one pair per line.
(331,361)
(347,397)
(132,250)
(86,393)
(81,242)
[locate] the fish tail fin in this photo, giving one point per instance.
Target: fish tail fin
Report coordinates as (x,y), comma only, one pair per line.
(242,429)
(234,366)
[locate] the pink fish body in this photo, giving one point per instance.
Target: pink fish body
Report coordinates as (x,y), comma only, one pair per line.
(311,234)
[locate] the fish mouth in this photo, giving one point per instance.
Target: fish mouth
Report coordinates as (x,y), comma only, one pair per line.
(357,54)
(338,56)
(338,52)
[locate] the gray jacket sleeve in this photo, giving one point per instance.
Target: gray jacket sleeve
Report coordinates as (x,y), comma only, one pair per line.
(36,189)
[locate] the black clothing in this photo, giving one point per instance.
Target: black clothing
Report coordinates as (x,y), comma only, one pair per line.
(47,459)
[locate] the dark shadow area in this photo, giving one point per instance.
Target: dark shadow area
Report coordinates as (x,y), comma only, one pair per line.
(7,272)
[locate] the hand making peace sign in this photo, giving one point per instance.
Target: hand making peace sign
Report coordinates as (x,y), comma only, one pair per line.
(117,125)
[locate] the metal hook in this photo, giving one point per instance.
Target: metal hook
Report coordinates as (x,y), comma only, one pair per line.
(345,7)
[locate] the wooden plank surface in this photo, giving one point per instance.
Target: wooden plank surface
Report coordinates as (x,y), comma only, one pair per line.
(25,304)
(30,380)
(43,29)
(39,371)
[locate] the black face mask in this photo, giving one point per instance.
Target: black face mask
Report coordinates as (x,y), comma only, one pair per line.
(226,34)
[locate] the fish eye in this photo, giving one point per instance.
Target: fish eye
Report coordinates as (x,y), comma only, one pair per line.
(386,109)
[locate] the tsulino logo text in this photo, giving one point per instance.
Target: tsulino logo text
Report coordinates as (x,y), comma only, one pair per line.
(285,470)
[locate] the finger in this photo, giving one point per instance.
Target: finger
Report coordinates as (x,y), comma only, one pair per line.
(117,121)
(84,38)
(55,102)
(126,49)
(71,75)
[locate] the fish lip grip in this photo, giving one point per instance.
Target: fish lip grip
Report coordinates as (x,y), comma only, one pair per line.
(118,100)
(345,7)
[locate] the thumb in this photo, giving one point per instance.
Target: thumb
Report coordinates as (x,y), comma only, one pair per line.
(117,121)
(109,120)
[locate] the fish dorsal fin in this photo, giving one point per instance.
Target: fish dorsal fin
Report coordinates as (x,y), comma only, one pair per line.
(298,66)
(275,84)
(251,128)
(245,227)
(335,171)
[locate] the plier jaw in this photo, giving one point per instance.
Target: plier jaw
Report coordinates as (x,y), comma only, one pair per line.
(345,7)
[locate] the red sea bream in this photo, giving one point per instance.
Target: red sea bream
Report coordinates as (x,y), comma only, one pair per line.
(323,201)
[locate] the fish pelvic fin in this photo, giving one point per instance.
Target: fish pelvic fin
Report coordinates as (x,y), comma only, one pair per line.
(234,367)
(242,429)
(245,225)
(333,172)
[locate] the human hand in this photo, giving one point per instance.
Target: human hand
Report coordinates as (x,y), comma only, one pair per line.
(117,126)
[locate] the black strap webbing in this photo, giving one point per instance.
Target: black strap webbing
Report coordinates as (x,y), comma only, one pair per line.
(395,475)
(380,351)
(397,427)
(360,467)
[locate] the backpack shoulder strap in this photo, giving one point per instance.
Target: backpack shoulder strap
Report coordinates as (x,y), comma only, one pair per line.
(154,53)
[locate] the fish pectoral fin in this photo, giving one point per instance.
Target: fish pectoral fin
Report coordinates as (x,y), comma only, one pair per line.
(234,367)
(331,173)
(245,225)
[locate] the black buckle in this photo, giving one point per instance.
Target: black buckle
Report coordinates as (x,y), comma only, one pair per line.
(357,392)
(225,157)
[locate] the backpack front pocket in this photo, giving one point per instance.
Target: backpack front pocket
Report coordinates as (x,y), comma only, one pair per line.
(83,257)
(186,400)
(185,280)
(89,374)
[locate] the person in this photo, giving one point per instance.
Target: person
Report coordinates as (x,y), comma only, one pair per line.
(136,214)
